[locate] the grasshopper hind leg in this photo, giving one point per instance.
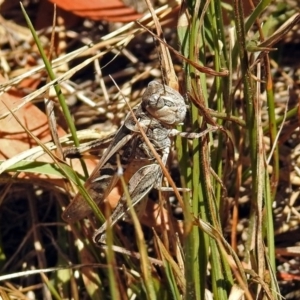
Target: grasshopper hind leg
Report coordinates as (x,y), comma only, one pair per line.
(99,236)
(139,186)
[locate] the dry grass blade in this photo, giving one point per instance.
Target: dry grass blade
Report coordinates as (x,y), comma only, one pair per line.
(164,54)
(190,62)
(166,256)
(280,32)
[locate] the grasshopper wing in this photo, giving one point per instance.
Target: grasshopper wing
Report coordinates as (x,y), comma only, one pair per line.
(103,178)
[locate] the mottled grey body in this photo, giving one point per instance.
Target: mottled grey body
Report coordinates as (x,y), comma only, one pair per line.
(161,109)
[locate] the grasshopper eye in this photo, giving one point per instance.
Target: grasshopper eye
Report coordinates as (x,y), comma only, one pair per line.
(168,102)
(156,101)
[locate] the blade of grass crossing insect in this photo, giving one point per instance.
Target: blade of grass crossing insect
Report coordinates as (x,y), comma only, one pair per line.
(145,265)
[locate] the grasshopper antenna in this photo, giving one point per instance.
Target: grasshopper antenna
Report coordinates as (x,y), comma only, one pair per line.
(160,58)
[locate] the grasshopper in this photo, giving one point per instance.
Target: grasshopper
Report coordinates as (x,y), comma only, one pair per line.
(161,109)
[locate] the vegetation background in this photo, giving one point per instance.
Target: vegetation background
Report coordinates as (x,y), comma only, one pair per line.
(236,235)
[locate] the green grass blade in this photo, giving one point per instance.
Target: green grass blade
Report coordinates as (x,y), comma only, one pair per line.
(58,91)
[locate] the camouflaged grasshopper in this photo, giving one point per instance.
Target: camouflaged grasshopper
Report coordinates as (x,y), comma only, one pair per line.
(161,109)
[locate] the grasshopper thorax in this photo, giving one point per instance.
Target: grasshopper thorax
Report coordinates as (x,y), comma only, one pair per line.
(164,103)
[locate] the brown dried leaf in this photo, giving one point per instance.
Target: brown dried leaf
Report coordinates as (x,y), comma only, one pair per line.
(114,10)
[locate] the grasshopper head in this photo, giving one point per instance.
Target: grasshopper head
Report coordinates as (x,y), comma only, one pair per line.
(164,103)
